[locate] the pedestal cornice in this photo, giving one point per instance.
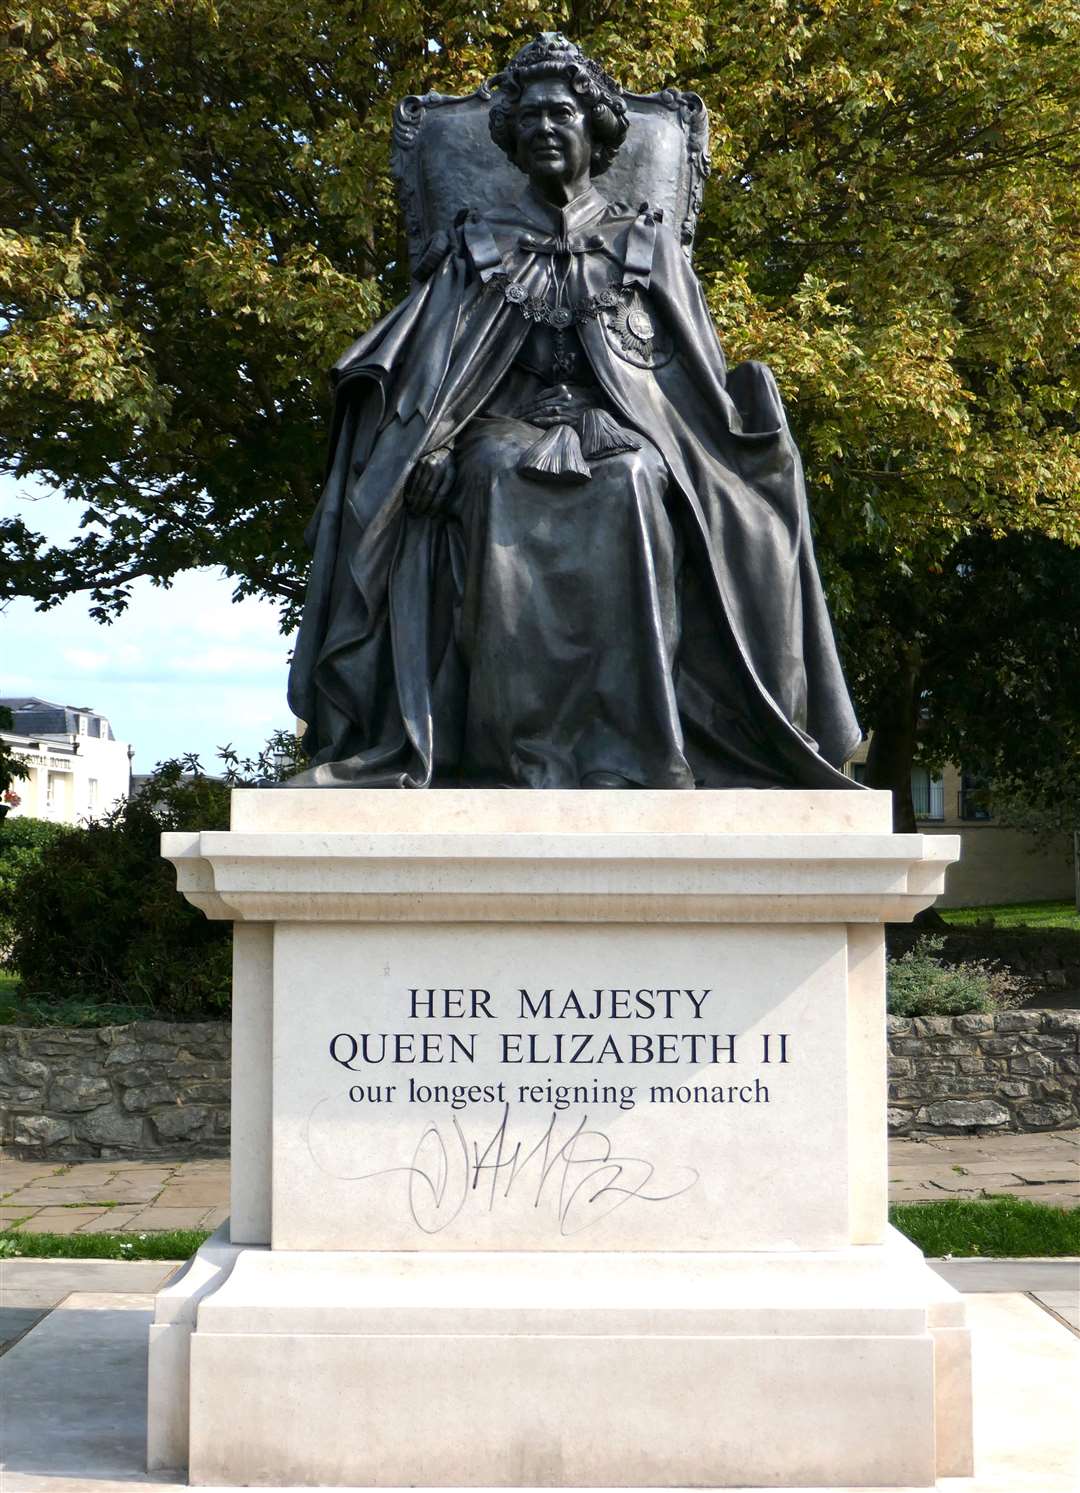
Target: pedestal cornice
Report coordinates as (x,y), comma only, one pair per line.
(453,873)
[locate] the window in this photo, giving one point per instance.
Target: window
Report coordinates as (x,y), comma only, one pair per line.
(973,800)
(927,794)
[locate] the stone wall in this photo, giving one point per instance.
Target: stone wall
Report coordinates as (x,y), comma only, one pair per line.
(949,1075)
(163,1087)
(149,1087)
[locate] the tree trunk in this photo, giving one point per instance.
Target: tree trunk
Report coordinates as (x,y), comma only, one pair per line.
(892,745)
(892,753)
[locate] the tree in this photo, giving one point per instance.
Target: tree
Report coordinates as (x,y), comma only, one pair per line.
(12,766)
(196,216)
(1008,644)
(22,843)
(984,645)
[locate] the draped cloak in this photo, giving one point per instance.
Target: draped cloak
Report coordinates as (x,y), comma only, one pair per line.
(377,675)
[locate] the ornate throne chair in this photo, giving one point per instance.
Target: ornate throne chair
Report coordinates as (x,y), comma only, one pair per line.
(444,160)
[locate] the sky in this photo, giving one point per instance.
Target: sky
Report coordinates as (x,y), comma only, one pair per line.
(184,669)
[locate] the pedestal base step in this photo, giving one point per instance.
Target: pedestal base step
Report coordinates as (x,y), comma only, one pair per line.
(457,1370)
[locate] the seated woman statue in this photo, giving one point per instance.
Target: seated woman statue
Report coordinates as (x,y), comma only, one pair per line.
(559,546)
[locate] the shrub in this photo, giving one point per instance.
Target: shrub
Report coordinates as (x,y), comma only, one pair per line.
(921,984)
(22,842)
(97,922)
(98,919)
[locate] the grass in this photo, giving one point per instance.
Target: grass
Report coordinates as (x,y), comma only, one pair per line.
(170,1244)
(9,983)
(995,1226)
(1016,915)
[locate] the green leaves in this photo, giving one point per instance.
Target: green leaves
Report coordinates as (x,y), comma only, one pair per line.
(197,216)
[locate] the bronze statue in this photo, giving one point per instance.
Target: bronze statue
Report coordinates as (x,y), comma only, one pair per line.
(560,545)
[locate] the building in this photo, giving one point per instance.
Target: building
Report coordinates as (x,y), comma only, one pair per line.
(997,864)
(78,770)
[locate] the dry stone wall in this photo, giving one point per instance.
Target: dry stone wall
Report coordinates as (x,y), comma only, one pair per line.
(1019,1070)
(157,1087)
(145,1088)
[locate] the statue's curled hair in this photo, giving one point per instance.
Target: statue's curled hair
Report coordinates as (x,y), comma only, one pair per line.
(552,55)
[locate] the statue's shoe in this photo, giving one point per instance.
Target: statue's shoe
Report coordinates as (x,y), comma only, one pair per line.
(605,780)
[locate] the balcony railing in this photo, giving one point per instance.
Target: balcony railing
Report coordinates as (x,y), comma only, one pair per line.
(929,800)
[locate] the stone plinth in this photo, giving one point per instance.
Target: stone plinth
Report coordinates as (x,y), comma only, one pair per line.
(562,1115)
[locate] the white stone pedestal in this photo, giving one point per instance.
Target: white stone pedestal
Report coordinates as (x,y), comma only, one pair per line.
(559,1150)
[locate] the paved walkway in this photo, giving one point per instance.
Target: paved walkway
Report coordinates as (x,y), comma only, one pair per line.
(92,1197)
(1044,1168)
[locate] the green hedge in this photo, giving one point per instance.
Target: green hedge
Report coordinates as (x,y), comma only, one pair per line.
(22,844)
(96,921)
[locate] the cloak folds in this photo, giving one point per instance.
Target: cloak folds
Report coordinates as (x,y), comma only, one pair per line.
(378,672)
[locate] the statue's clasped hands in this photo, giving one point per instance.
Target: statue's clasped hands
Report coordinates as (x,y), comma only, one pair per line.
(562,404)
(431,481)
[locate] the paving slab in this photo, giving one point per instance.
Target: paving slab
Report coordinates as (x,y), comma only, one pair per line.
(206,1165)
(968,1182)
(119,1191)
(84,1433)
(60,1220)
(13,1171)
(112,1221)
(1049,1141)
(89,1174)
(1064,1304)
(1047,1171)
(46,1197)
(74,1395)
(978,1276)
(45,1282)
(992,1166)
(204,1193)
(15,1322)
(156,1219)
(1052,1197)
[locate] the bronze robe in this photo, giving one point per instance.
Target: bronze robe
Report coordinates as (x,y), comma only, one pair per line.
(664,620)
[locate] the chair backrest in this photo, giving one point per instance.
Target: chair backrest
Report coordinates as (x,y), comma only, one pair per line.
(445,160)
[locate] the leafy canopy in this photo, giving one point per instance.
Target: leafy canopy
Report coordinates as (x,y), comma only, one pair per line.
(196,216)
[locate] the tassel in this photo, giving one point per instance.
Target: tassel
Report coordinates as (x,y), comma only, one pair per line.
(602,436)
(555,457)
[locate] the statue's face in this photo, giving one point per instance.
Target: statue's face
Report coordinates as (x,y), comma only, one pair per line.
(553,133)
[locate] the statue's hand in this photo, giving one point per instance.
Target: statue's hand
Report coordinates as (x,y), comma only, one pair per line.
(431,481)
(562,404)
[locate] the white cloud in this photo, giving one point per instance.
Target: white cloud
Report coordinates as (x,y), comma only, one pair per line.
(238,661)
(85,659)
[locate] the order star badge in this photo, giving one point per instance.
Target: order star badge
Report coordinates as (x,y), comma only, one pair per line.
(638,334)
